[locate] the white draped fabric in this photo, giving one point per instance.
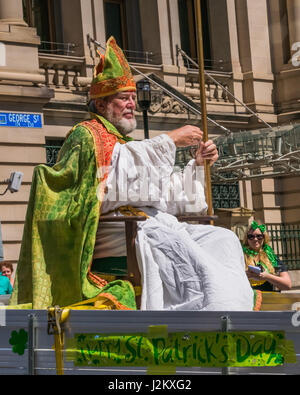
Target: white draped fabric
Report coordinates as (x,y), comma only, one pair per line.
(183,266)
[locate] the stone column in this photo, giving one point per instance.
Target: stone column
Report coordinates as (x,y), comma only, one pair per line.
(174,29)
(17,38)
(155,30)
(233,37)
(255,56)
(160,34)
(288,78)
(293,9)
(11,12)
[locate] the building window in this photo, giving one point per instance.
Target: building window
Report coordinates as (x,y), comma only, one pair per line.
(188,33)
(52,150)
(223,195)
(45,16)
(115,21)
(285,36)
(119,15)
(226,195)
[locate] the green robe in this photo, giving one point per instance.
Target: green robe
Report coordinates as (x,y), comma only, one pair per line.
(60,230)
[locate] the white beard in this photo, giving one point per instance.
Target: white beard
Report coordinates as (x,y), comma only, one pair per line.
(124,125)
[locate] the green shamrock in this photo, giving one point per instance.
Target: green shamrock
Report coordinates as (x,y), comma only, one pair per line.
(19,341)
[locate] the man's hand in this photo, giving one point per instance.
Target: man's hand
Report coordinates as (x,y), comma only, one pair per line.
(206,151)
(186,136)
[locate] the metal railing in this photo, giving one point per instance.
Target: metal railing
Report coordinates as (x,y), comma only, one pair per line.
(258,154)
(145,57)
(285,241)
(225,88)
(66,49)
(225,195)
(52,150)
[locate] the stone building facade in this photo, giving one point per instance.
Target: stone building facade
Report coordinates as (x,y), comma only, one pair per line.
(47,61)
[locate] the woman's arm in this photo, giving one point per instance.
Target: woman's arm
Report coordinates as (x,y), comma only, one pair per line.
(282,282)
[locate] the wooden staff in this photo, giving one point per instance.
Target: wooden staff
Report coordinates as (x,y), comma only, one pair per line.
(203,103)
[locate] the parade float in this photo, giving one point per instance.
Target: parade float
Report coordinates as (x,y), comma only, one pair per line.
(87,338)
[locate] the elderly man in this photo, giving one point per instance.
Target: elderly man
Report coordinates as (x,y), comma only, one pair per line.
(68,256)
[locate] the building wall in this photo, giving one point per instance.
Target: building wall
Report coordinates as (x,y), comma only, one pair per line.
(277,200)
(20,148)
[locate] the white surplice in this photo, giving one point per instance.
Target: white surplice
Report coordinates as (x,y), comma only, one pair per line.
(183,266)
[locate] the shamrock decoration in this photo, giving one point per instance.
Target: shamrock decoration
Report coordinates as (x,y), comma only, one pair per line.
(19,341)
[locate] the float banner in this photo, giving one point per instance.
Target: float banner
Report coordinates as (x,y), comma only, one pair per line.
(193,349)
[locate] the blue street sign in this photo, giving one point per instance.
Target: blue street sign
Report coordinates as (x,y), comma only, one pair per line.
(20,120)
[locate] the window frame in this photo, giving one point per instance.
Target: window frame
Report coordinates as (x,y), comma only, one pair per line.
(192,31)
(51,28)
(123,21)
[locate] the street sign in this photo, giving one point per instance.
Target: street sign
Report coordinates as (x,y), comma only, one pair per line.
(21,120)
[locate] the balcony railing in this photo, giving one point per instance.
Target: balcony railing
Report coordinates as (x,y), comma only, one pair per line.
(144,57)
(225,195)
(216,89)
(66,71)
(67,49)
(61,71)
(52,149)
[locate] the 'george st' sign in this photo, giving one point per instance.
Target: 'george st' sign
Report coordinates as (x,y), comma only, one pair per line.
(21,120)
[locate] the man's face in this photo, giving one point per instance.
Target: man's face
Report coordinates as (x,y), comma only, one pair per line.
(119,110)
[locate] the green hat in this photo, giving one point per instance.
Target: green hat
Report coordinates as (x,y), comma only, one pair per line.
(112,74)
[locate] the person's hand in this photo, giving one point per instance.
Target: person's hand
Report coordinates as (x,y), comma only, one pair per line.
(263,276)
(186,136)
(206,151)
(253,276)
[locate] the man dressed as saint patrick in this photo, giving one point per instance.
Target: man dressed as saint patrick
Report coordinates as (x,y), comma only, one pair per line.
(68,256)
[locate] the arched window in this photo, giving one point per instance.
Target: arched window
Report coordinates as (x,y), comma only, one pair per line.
(188,35)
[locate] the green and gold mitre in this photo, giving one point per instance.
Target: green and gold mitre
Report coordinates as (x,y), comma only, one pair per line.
(112,74)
